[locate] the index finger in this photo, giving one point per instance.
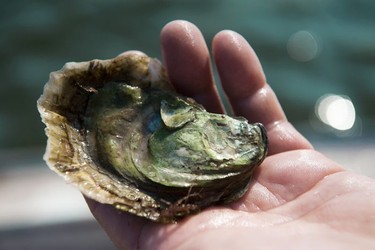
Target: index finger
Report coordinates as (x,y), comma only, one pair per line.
(187,59)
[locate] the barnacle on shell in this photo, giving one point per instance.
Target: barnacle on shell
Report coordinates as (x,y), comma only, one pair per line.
(119,132)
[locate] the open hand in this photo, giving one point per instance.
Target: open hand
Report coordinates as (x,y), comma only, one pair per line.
(298,198)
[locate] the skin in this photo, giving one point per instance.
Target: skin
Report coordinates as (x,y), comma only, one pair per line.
(298,198)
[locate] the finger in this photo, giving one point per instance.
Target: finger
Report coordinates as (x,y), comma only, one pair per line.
(241,75)
(187,60)
(244,82)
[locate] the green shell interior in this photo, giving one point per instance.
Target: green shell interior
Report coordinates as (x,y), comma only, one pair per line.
(124,137)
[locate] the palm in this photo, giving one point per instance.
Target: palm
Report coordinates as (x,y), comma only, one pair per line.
(297,195)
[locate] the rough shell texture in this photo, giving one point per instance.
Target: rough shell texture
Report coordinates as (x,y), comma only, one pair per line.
(117,130)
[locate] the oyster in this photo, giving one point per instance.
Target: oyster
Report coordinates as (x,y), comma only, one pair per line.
(117,129)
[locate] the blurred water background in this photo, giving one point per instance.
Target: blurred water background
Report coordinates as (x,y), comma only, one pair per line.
(319,58)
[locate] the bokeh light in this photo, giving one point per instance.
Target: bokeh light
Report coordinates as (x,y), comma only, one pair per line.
(336,111)
(302,46)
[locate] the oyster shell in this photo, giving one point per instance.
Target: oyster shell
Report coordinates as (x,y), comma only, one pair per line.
(117,129)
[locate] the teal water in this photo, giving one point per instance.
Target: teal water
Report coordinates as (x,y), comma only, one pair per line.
(307,48)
